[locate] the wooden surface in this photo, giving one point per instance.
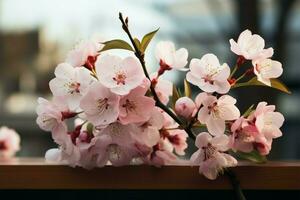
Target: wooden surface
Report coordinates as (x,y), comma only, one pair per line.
(34,173)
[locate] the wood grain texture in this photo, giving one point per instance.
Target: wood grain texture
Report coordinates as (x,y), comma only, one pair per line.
(36,174)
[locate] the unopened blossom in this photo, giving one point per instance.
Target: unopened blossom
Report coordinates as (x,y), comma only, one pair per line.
(185,107)
(211,155)
(136,107)
(84,54)
(209,75)
(162,87)
(215,112)
(266,69)
(119,75)
(70,82)
(9,142)
(170,58)
(100,105)
(250,46)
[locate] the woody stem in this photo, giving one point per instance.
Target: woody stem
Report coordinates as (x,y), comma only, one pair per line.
(140,57)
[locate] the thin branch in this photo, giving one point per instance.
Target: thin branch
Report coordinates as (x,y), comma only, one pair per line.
(140,57)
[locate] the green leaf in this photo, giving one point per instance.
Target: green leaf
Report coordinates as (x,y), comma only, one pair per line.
(275,83)
(90,128)
(248,111)
(175,96)
(137,43)
(187,89)
(253,156)
(146,40)
(116,44)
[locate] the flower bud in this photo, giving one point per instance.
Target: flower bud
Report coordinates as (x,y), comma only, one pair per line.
(185,107)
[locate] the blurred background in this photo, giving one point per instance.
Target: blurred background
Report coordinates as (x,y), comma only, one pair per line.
(35,35)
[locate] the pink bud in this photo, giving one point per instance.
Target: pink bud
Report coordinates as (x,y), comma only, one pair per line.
(185,107)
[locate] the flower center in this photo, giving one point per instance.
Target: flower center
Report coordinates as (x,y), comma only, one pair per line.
(120,78)
(102,105)
(73,87)
(209,151)
(265,65)
(114,152)
(214,110)
(2,146)
(129,106)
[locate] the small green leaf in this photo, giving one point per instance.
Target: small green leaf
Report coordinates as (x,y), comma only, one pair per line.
(146,40)
(116,44)
(248,111)
(187,89)
(253,156)
(175,96)
(275,83)
(90,128)
(137,43)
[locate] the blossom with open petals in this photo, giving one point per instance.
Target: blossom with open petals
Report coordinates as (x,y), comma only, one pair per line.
(119,75)
(9,142)
(215,112)
(250,46)
(210,155)
(70,82)
(163,88)
(84,54)
(209,75)
(169,57)
(100,105)
(136,107)
(265,69)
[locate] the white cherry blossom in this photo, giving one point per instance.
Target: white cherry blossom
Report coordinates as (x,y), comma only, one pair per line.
(215,112)
(119,75)
(209,75)
(250,46)
(70,82)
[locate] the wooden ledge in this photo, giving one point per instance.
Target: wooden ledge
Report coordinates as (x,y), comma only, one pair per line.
(34,173)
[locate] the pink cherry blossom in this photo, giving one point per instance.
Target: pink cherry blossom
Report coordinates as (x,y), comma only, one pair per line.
(52,115)
(119,75)
(84,54)
(267,121)
(257,131)
(215,112)
(210,155)
(169,57)
(121,149)
(9,142)
(100,105)
(250,46)
(209,75)
(70,82)
(148,133)
(163,88)
(136,107)
(185,107)
(244,135)
(173,138)
(265,69)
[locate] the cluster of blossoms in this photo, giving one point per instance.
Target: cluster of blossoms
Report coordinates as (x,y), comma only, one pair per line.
(9,142)
(122,115)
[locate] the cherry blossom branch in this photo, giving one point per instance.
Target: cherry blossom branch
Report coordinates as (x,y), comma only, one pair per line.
(236,184)
(140,57)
